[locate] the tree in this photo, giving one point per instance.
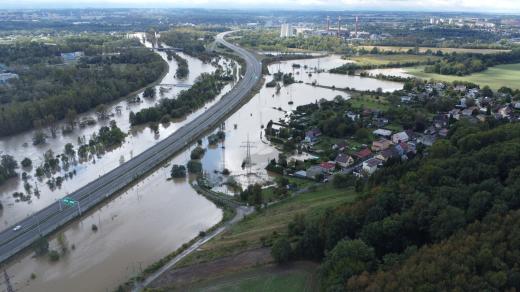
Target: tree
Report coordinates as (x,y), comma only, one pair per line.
(281,250)
(194,166)
(348,258)
(26,162)
(149,92)
(102,112)
(178,171)
(71,117)
(39,137)
(197,153)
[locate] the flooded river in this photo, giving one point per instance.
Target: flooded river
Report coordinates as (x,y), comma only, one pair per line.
(156,216)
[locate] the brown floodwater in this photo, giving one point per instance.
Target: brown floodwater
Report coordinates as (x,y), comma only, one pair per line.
(156,216)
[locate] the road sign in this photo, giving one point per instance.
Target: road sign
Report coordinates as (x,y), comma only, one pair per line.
(69,201)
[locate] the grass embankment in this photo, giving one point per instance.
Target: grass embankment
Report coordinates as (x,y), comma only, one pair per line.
(249,233)
(381,60)
(297,277)
(444,50)
(495,77)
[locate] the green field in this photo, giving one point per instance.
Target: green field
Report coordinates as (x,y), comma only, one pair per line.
(248,233)
(379,60)
(297,277)
(494,77)
(444,50)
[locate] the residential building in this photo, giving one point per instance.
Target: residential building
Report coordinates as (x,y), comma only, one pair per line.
(363,154)
(381,144)
(370,166)
(312,135)
(400,137)
(344,160)
(382,133)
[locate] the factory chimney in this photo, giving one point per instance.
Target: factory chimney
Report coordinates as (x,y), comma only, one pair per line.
(357,21)
(339,26)
(328,23)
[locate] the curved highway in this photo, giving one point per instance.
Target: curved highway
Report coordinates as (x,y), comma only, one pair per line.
(51,218)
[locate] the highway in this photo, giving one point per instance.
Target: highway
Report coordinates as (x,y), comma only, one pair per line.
(51,218)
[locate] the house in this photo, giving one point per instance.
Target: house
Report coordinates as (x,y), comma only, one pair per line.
(460,88)
(389,153)
(344,160)
(312,135)
(406,99)
(427,140)
(352,116)
(380,122)
(382,133)
(301,174)
(314,171)
(431,130)
(73,56)
(371,165)
(454,113)
(440,121)
(443,132)
(363,154)
(469,111)
(400,137)
(505,112)
(328,166)
(4,77)
(341,146)
(517,105)
(381,144)
(404,149)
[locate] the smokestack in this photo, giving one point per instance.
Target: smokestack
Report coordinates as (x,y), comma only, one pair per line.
(328,23)
(339,25)
(357,20)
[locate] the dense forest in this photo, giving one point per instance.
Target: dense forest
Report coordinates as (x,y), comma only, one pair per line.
(444,220)
(206,87)
(47,89)
(465,64)
(191,41)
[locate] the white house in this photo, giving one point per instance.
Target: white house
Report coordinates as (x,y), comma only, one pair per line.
(400,137)
(371,165)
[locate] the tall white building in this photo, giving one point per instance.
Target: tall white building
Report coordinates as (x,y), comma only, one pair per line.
(286,31)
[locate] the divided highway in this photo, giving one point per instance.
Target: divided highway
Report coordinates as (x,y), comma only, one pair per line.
(51,218)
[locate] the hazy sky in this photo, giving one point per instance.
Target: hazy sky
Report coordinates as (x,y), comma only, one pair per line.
(508,6)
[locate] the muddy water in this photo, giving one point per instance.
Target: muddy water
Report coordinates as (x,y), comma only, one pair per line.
(156,216)
(139,139)
(309,75)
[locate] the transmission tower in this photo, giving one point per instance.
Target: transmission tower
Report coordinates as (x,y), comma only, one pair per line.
(8,282)
(248,163)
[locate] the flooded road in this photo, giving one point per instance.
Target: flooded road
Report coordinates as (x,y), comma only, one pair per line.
(156,216)
(139,139)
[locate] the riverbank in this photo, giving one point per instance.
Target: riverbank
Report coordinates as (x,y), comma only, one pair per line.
(236,249)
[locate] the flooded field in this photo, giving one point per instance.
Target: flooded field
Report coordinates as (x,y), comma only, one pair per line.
(139,139)
(156,216)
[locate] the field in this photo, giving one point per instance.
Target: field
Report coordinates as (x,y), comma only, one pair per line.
(494,77)
(299,276)
(444,50)
(378,60)
(248,234)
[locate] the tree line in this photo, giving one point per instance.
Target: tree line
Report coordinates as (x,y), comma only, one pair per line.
(465,64)
(46,92)
(442,219)
(206,87)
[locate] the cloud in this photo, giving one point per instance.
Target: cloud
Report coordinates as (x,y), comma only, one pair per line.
(510,6)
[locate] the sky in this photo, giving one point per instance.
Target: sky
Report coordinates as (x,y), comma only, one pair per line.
(503,6)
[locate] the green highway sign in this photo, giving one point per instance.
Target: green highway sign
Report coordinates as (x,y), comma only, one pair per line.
(69,201)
